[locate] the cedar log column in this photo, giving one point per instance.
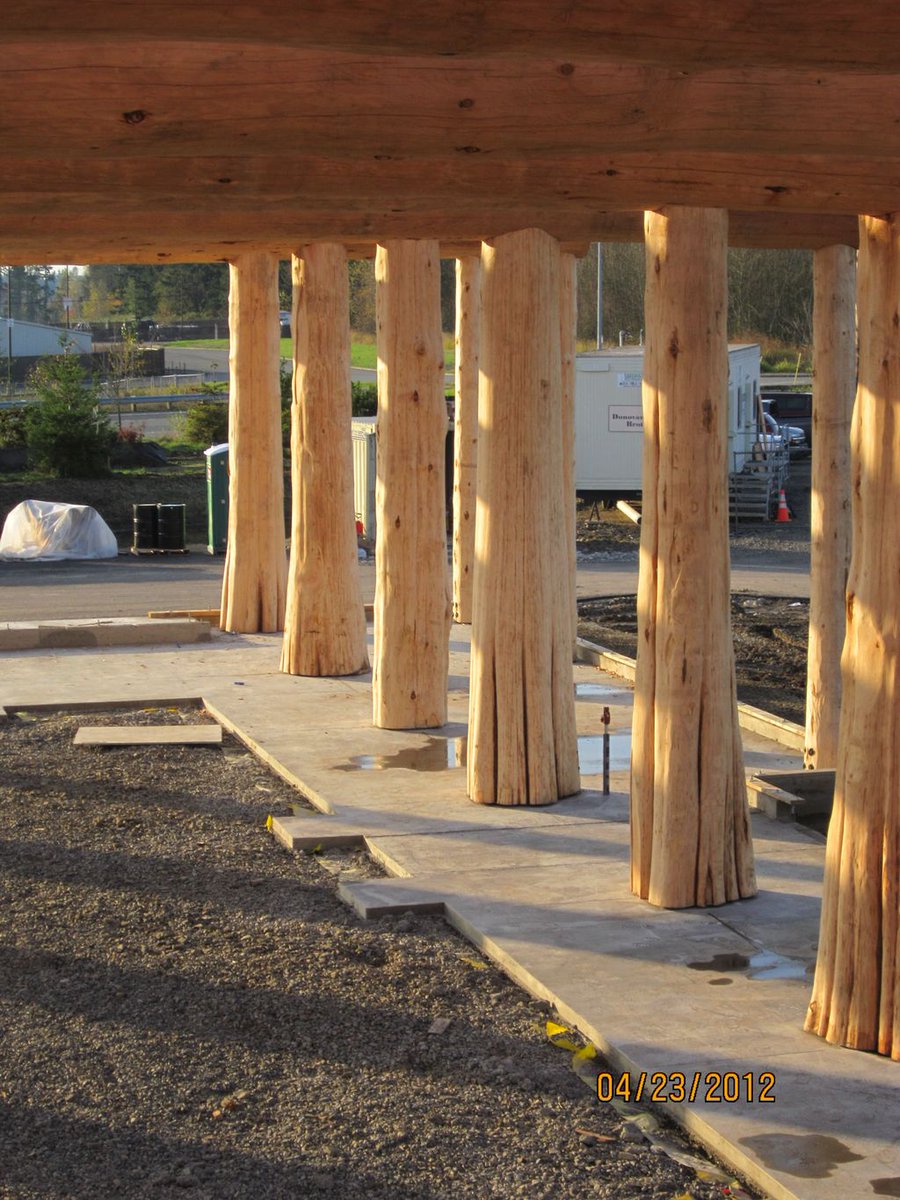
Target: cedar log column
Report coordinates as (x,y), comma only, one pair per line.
(567,319)
(522,743)
(412,582)
(253,587)
(834,370)
(689,821)
(325,627)
(856,994)
(465,433)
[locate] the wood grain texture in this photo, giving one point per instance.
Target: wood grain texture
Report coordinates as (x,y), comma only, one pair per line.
(412,579)
(679,32)
(465,433)
(522,743)
(567,330)
(691,840)
(834,371)
(253,585)
(856,994)
(325,628)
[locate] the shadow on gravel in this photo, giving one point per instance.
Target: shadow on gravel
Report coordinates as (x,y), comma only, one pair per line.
(118,1149)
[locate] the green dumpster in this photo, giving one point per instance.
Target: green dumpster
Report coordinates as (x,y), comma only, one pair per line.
(217,497)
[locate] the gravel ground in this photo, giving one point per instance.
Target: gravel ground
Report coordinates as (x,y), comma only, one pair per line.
(184,1005)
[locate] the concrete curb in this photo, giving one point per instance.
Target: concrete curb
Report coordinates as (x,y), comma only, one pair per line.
(95,634)
(754,720)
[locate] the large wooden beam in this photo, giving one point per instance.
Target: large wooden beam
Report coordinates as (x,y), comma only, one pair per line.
(522,742)
(678,33)
(834,371)
(690,826)
(253,586)
(465,433)
(856,994)
(412,582)
(325,628)
(567,330)
(168,99)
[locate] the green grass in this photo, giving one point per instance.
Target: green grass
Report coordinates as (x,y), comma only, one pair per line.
(363,353)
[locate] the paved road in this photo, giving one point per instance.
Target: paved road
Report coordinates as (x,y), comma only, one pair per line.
(132,586)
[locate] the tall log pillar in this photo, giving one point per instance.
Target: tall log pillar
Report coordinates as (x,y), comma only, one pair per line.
(465,433)
(412,583)
(325,628)
(856,994)
(522,742)
(834,370)
(567,320)
(689,821)
(253,587)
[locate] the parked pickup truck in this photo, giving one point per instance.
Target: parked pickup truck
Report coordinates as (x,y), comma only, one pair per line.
(791,407)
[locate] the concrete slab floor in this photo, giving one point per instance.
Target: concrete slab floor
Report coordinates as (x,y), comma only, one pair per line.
(544,891)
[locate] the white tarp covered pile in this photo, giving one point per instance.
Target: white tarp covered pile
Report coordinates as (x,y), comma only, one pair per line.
(44,529)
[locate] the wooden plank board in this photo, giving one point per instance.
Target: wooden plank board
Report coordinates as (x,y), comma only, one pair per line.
(149,735)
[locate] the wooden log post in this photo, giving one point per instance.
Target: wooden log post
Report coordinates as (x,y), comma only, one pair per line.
(834,371)
(856,993)
(690,825)
(253,586)
(412,582)
(465,433)
(325,628)
(523,747)
(567,321)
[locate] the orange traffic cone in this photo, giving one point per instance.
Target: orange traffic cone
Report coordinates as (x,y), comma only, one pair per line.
(783,514)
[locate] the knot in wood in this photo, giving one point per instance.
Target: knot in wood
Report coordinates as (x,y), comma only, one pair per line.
(135,116)
(467,103)
(567,69)
(674,348)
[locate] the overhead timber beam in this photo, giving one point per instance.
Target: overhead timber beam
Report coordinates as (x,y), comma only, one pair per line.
(681,30)
(96,98)
(154,237)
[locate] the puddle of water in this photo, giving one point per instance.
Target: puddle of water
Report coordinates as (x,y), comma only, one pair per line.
(442,754)
(590,752)
(585,691)
(803,1155)
(765,965)
(768,965)
(721,962)
(438,754)
(721,981)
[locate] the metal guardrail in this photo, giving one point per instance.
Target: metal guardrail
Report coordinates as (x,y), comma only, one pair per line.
(785,381)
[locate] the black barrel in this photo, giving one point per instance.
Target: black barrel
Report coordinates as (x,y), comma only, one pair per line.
(172,524)
(146,527)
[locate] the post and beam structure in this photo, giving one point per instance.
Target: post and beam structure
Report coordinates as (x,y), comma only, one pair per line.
(412,581)
(689,821)
(253,586)
(856,994)
(523,747)
(834,386)
(325,628)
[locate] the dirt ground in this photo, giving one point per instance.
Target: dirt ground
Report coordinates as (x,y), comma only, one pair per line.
(769,645)
(187,1006)
(770,634)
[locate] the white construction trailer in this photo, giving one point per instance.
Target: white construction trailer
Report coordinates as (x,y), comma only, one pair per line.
(609,421)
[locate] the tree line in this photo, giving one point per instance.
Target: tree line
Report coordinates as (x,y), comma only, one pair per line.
(770,294)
